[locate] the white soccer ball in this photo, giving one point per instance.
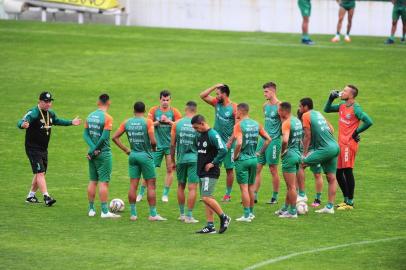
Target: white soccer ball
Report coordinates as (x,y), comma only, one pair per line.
(116,205)
(302,208)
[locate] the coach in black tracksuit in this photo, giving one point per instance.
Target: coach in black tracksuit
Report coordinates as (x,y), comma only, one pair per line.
(211,151)
(38,123)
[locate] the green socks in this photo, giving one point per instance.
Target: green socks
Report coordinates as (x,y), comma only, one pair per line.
(152,211)
(142,190)
(251,210)
(228,191)
(392,37)
(305,36)
(302,193)
(246,212)
(133,210)
(256,195)
(189,213)
(330,205)
(285,207)
(318,196)
(182,209)
(91,206)
(275,195)
(345,199)
(292,209)
(210,224)
(166,191)
(104,208)
(350,201)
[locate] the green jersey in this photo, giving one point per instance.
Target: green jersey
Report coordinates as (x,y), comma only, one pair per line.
(400,3)
(293,126)
(137,129)
(225,119)
(249,131)
(272,120)
(185,136)
(96,123)
(163,130)
(321,135)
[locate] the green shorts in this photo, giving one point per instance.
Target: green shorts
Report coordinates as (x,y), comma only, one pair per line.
(100,167)
(305,7)
(159,155)
(246,171)
(229,159)
(316,169)
(399,12)
(187,172)
(348,5)
(207,186)
(290,162)
(272,152)
(326,157)
(141,163)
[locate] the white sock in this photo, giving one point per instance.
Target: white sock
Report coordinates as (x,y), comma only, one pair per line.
(45,194)
(31,194)
(338,36)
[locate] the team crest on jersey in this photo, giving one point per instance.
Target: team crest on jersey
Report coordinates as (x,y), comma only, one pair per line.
(204,144)
(272,113)
(348,116)
(227,114)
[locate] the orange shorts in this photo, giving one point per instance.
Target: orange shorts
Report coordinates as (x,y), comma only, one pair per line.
(346,158)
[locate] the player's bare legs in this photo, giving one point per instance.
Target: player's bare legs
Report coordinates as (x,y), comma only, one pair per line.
(341,14)
(168,178)
(349,24)
(181,200)
(291,195)
(258,180)
(132,198)
(151,197)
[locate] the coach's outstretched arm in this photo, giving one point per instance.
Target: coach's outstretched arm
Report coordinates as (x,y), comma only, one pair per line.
(205,95)
(63,122)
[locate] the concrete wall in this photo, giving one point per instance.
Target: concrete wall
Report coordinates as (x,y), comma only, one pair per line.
(371,18)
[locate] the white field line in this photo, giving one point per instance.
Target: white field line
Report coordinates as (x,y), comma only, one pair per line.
(317,250)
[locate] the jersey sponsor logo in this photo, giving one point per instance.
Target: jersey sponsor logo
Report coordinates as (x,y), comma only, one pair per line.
(348,116)
(204,144)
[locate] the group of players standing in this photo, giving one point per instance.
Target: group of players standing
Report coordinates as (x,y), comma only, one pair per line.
(348,7)
(196,152)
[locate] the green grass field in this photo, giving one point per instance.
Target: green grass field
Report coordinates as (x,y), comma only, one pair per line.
(77,63)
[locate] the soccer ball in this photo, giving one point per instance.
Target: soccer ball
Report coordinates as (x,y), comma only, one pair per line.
(116,205)
(302,208)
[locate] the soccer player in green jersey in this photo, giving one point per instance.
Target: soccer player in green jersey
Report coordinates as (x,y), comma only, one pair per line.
(38,123)
(211,151)
(246,133)
(399,11)
(97,136)
(183,138)
(163,117)
(324,148)
(140,133)
(273,128)
(305,7)
(345,6)
(292,133)
(225,112)
(300,178)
